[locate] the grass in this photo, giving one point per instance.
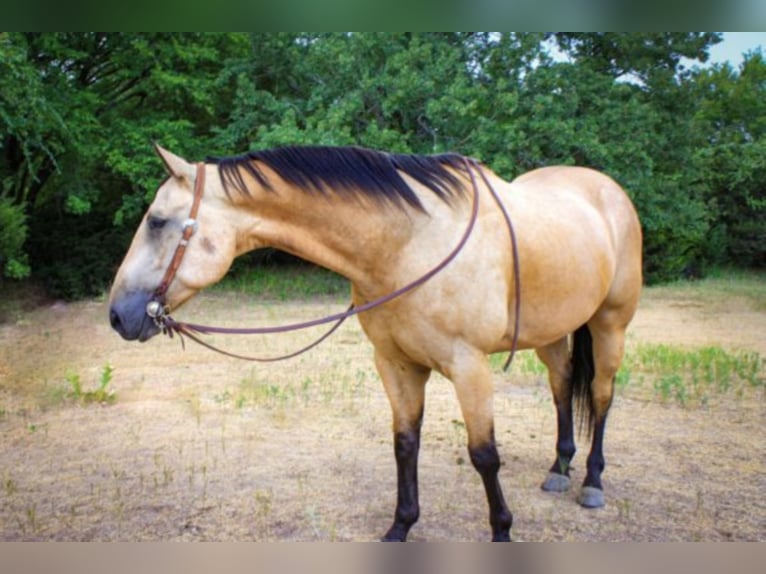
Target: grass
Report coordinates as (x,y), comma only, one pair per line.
(685,376)
(719,284)
(284,282)
(17,298)
(524,363)
(689,376)
(101,395)
(671,373)
(274,453)
(348,394)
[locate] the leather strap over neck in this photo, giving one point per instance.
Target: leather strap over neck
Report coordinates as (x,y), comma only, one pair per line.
(191,330)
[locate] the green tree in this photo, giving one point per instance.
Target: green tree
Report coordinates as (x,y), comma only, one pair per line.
(732,163)
(32,129)
(663,136)
(645,55)
(79,112)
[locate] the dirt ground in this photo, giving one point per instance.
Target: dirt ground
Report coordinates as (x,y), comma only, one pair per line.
(197,446)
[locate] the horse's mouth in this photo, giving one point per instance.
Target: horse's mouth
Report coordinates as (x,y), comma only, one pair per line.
(150,330)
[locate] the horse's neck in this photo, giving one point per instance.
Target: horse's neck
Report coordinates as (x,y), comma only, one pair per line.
(354,239)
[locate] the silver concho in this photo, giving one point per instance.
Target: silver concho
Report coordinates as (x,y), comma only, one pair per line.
(190,223)
(154,309)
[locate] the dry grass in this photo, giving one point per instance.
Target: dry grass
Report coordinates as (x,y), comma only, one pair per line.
(201,447)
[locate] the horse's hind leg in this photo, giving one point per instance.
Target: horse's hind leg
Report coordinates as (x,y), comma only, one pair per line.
(405,387)
(556,358)
(595,358)
(608,343)
(472,378)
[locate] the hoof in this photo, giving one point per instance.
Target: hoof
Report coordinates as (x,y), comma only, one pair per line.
(556,483)
(397,533)
(591,497)
(503,537)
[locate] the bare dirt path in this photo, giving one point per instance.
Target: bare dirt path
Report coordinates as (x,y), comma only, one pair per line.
(201,447)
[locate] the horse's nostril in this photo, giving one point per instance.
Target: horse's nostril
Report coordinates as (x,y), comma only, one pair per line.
(114,319)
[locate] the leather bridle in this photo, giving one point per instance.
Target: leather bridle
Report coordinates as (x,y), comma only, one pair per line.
(158,310)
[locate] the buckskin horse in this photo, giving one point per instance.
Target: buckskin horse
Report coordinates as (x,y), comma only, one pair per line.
(566,286)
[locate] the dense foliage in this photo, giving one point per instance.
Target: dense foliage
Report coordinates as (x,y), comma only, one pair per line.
(79,111)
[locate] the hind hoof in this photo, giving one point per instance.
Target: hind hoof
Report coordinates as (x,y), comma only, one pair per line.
(591,497)
(555,482)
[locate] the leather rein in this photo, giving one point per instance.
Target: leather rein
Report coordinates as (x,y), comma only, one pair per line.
(158,310)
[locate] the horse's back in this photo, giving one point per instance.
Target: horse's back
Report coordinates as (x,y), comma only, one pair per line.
(563,187)
(597,187)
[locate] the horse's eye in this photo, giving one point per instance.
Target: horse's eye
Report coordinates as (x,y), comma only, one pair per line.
(156,223)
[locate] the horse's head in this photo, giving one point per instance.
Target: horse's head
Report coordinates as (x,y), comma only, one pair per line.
(208,255)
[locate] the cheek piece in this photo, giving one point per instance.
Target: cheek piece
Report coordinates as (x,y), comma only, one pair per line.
(157,307)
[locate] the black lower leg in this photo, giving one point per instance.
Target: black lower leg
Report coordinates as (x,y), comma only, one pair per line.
(596,457)
(565,445)
(406,447)
(487,462)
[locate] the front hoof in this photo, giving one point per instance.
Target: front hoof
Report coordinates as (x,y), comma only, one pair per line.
(503,537)
(591,497)
(555,482)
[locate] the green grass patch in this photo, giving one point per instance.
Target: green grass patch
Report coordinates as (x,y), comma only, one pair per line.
(690,376)
(524,363)
(284,282)
(717,285)
(670,373)
(346,390)
(101,394)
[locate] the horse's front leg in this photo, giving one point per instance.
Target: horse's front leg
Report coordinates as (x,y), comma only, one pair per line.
(473,382)
(405,386)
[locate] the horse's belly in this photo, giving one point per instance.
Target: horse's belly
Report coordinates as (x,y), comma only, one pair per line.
(430,326)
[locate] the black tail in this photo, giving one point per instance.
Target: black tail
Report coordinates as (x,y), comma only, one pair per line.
(583,371)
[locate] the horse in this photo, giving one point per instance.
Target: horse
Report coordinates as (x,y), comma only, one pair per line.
(381,220)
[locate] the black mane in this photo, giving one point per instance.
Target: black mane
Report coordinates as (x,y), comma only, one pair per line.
(347,171)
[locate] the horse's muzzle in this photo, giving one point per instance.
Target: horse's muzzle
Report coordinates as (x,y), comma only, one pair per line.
(128,317)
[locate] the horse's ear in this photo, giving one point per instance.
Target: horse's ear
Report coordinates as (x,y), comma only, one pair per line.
(176,166)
